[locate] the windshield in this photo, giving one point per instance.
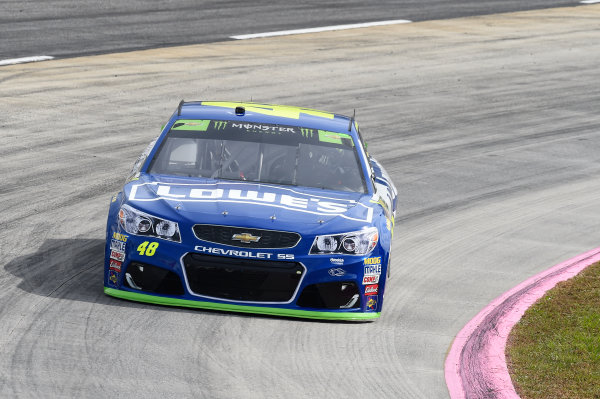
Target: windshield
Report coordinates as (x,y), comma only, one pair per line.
(260,152)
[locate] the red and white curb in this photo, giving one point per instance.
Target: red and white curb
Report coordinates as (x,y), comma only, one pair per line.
(476,364)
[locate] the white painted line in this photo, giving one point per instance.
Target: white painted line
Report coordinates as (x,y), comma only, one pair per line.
(26,59)
(589,1)
(320,29)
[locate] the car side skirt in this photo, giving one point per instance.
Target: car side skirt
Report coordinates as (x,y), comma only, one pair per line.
(307,314)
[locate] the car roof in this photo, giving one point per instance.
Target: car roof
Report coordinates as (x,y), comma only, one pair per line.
(265,113)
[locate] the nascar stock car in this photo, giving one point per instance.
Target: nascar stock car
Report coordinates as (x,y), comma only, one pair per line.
(254,208)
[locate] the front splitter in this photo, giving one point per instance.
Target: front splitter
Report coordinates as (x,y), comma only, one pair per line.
(305,314)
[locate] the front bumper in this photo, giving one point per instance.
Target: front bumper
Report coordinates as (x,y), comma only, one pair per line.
(313,296)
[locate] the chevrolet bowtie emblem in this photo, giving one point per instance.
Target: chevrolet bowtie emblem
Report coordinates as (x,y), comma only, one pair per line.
(245,238)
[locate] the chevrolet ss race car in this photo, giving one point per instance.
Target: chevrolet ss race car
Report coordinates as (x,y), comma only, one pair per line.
(254,208)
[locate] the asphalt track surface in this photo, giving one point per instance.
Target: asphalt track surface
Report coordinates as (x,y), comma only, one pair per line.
(488,126)
(66,28)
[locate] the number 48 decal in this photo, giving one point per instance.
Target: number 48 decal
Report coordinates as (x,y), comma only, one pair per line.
(147,248)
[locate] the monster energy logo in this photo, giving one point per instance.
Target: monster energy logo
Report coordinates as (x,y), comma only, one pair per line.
(220,125)
(307,132)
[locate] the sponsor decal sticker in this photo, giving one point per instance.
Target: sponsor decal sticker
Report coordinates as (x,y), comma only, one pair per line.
(307,132)
(117,245)
(189,124)
(117,255)
(372,303)
(208,193)
(243,254)
(373,261)
(336,272)
(113,277)
(372,269)
(333,137)
(220,125)
(337,261)
(371,279)
(115,265)
(263,128)
(120,237)
(372,289)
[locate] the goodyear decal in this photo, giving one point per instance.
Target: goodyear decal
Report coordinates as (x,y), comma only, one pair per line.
(188,124)
(283,111)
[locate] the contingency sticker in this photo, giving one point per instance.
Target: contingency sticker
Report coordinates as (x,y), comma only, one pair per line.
(117,255)
(371,289)
(115,265)
(117,245)
(113,277)
(372,303)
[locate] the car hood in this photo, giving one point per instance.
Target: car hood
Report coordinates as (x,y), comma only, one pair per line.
(249,204)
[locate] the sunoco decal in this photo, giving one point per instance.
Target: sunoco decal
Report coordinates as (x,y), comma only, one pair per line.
(372,303)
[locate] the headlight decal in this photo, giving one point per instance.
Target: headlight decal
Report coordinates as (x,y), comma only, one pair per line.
(143,224)
(353,243)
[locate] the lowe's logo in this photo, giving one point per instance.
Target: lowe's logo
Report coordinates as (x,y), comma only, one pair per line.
(292,201)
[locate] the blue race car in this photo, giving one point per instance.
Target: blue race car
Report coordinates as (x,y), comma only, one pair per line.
(254,208)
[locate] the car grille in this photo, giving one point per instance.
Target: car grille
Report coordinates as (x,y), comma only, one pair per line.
(242,279)
(224,235)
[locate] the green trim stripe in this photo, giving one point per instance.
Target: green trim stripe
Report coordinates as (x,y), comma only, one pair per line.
(307,314)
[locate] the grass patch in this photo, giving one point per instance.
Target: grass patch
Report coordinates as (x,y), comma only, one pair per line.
(554,350)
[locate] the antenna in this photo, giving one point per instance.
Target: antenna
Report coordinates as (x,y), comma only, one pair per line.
(352,120)
(179,107)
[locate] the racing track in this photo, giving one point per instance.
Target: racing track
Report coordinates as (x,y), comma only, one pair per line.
(488,126)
